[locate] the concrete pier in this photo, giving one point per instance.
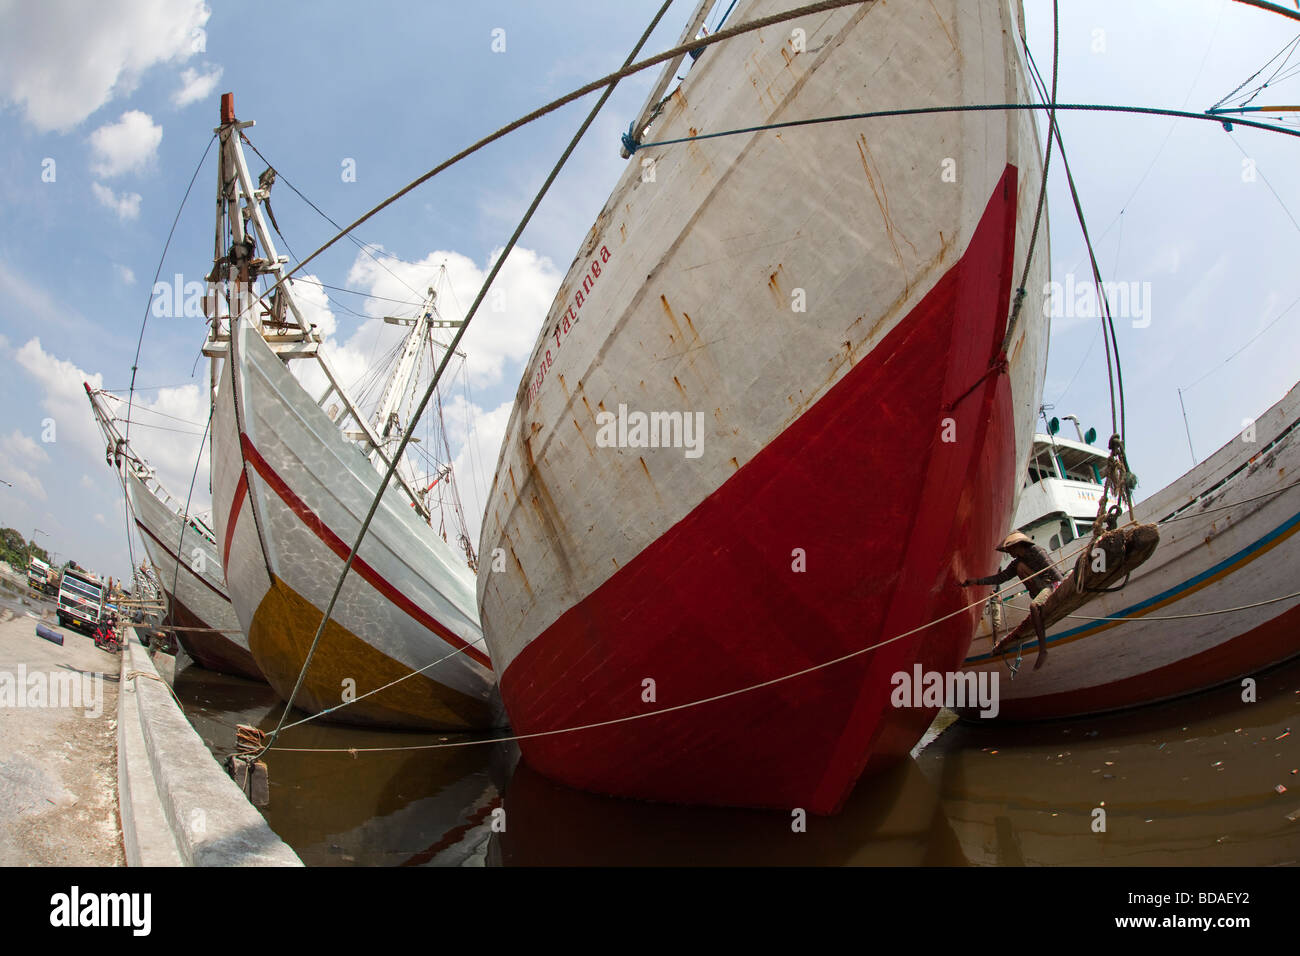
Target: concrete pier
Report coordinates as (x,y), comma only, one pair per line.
(58,764)
(179,806)
(99,766)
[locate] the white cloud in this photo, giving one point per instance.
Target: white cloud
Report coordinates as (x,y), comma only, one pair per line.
(124,273)
(127,205)
(22,480)
(165,431)
(20,458)
(61,60)
(196,86)
(27,298)
(23,448)
(500,338)
(478,434)
(129,145)
(505,327)
(63,397)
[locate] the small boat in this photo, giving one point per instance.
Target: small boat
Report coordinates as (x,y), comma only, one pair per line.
(1204,610)
(775,414)
(294,474)
(183,551)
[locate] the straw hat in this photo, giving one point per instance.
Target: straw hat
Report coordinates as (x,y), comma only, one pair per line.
(1014,538)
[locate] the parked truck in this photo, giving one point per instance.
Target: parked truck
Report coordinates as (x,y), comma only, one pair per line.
(81,600)
(41,577)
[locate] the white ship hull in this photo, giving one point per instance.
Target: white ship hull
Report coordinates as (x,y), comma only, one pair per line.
(829,303)
(191,577)
(1227,540)
(289,495)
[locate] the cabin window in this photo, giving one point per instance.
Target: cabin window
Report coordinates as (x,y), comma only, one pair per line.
(1055,543)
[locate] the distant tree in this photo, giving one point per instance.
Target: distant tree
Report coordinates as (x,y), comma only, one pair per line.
(13,547)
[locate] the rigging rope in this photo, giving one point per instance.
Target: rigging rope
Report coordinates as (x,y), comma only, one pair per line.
(447,356)
(157,272)
(1118,461)
(972,108)
(1115,380)
(363,246)
(607,81)
(185,519)
(1042,185)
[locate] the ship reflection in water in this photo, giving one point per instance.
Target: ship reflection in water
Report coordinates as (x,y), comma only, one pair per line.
(1192,782)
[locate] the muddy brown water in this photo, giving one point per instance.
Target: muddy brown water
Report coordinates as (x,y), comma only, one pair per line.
(1192,782)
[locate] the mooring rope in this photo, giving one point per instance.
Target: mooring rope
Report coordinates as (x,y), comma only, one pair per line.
(609,81)
(360,697)
(666,710)
(653,713)
(1179,617)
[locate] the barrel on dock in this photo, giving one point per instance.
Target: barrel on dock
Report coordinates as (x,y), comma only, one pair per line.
(50,634)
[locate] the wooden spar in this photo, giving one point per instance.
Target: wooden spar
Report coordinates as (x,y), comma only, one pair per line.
(670,70)
(1114,554)
(234,179)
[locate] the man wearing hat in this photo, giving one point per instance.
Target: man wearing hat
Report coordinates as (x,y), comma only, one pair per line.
(1034,567)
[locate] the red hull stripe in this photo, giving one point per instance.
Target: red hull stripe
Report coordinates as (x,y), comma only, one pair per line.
(454,835)
(184,564)
(1261,647)
(342,549)
(241,489)
(890,518)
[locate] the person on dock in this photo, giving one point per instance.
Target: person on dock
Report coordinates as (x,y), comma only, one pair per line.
(1034,567)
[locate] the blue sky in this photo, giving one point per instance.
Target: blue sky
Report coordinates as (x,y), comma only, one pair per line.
(122,96)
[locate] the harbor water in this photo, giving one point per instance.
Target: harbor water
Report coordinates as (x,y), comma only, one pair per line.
(1206,780)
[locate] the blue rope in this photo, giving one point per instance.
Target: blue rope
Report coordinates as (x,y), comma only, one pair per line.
(724,16)
(971,108)
(629,141)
